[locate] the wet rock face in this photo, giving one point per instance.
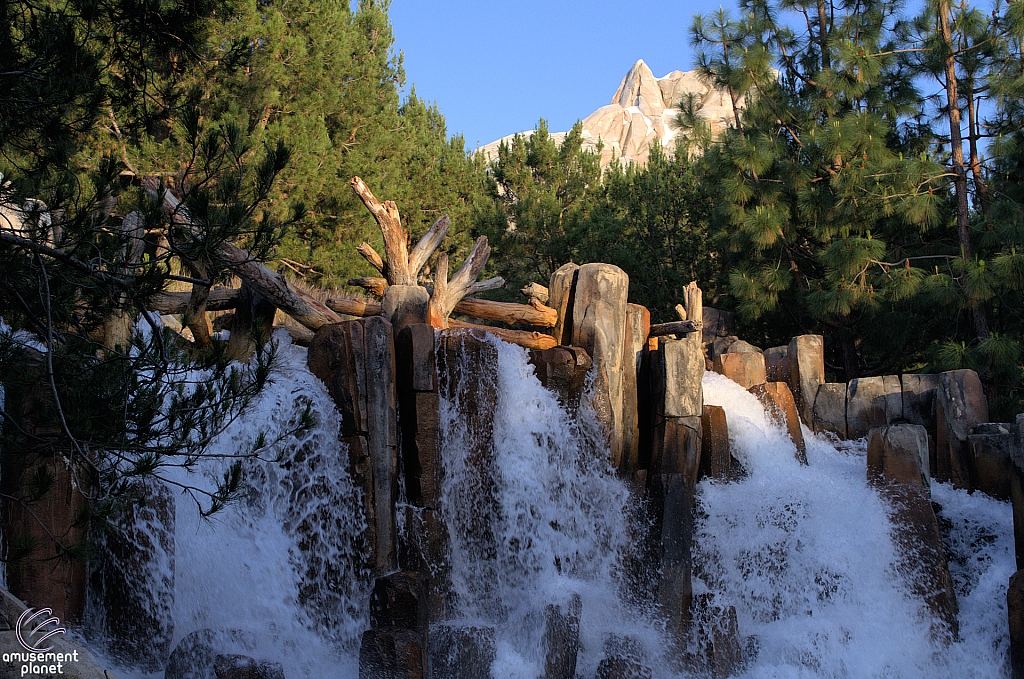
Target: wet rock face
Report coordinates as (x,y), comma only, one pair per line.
(462,652)
(133,582)
(715,457)
(356,361)
(563,370)
(1015,615)
(716,635)
(391,654)
(561,639)
(895,467)
(779,404)
(206,654)
(623,659)
(898,454)
(235,666)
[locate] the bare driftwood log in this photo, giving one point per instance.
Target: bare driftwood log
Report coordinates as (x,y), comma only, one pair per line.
(273,286)
(448,293)
(508,312)
(375,286)
(695,309)
(117,329)
(353,307)
(220,299)
(673,328)
(530,340)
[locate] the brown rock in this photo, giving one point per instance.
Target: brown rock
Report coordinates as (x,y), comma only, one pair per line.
(356,360)
(991,448)
(715,458)
(599,327)
(414,358)
(391,654)
(778,403)
(919,399)
(915,532)
(561,639)
(1017,504)
(717,323)
(423,547)
(744,368)
(561,291)
(718,637)
(623,659)
(678,372)
(865,406)
(721,346)
(404,305)
(563,370)
(671,500)
(1015,618)
(830,408)
(893,399)
(133,580)
(806,358)
(233,666)
(898,453)
(638,325)
(960,404)
(399,600)
(462,652)
(776,365)
(677,448)
(741,347)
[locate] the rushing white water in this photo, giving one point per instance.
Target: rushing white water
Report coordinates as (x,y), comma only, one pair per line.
(558,521)
(275,572)
(806,556)
(537,515)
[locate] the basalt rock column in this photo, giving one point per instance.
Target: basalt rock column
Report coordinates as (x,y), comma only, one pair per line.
(991,447)
(599,327)
(865,406)
(806,358)
(960,404)
(676,372)
(830,409)
(778,402)
(423,543)
(395,646)
(561,291)
(638,325)
(356,360)
(895,455)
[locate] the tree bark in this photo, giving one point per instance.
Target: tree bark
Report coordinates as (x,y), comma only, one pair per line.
(959,171)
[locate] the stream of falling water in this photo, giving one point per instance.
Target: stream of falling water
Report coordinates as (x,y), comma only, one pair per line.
(804,553)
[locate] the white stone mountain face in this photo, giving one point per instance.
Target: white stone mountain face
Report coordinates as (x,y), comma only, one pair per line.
(640,114)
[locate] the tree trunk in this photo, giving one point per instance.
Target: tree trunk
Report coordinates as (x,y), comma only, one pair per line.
(956,144)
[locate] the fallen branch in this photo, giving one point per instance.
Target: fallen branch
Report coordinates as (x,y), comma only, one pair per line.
(220,299)
(353,307)
(673,328)
(375,286)
(530,340)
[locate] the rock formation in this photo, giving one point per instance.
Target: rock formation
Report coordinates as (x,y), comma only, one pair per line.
(642,112)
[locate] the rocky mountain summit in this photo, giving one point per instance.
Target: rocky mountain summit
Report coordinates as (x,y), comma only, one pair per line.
(642,113)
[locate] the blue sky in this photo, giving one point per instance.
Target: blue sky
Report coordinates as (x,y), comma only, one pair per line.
(496,66)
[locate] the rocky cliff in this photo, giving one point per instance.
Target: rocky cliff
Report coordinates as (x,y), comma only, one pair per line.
(640,114)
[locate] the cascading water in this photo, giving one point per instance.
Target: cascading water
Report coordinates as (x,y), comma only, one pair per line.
(535,515)
(556,514)
(805,554)
(275,575)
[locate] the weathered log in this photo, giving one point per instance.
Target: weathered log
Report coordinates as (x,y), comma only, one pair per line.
(395,238)
(536,291)
(673,328)
(447,294)
(371,256)
(273,286)
(353,307)
(508,312)
(375,286)
(220,299)
(301,336)
(426,246)
(695,309)
(530,340)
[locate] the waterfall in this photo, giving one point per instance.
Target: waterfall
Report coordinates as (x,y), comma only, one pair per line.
(274,575)
(806,556)
(536,516)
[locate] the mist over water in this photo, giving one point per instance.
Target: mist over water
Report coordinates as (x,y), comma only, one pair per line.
(804,553)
